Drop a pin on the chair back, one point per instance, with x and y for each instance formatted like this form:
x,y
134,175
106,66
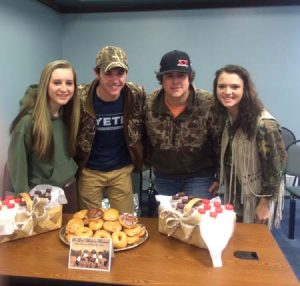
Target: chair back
x,y
288,136
293,161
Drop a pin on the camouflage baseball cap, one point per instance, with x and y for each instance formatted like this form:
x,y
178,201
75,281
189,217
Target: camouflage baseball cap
x,y
111,57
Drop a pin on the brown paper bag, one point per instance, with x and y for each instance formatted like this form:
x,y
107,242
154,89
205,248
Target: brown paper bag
x,y
172,223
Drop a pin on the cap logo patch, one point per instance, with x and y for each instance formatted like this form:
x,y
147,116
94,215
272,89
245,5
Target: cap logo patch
x,y
183,63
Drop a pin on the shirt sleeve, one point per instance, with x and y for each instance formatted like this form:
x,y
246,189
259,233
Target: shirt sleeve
x,y
272,156
17,161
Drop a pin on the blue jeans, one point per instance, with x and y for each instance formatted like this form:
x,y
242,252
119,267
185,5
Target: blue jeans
x,y
195,186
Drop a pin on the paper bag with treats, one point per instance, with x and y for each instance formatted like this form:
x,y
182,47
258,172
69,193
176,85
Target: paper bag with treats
x,y
31,213
182,217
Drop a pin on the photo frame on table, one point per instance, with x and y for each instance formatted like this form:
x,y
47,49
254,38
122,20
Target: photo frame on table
x,y
90,253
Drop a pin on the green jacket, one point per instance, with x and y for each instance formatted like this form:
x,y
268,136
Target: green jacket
x,y
26,170
133,111
187,145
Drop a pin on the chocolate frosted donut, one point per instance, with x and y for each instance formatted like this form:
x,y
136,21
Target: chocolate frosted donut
x,y
94,214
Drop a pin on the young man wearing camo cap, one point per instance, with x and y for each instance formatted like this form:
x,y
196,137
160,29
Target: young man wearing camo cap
x,y
109,143
182,131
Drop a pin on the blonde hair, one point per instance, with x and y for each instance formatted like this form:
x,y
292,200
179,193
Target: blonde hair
x,y
42,132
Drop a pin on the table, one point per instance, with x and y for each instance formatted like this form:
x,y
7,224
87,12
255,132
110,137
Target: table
x,y
159,261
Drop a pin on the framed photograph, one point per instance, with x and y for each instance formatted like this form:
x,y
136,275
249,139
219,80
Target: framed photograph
x,y
90,253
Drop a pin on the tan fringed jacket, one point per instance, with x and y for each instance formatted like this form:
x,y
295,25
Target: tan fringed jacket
x,y
256,170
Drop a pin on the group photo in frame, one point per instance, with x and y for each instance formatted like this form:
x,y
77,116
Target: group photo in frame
x,y
90,253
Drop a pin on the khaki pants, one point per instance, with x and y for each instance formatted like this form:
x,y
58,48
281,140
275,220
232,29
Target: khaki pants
x,y
116,185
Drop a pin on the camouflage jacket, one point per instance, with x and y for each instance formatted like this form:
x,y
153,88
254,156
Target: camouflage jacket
x,y
185,146
271,156
133,110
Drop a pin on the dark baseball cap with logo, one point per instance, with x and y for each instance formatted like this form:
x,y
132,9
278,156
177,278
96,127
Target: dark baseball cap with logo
x,y
175,61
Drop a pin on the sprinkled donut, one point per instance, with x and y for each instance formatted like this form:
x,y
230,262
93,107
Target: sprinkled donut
x,y
128,220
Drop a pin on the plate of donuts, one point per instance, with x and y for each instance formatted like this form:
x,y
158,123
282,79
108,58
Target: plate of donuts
x,y
124,229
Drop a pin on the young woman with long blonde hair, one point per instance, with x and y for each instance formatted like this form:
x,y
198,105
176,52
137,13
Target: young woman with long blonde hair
x,y
43,134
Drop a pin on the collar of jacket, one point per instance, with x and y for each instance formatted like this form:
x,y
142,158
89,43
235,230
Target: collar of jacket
x,y
160,107
89,106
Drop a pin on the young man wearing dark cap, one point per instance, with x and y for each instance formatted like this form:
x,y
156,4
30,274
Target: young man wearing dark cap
x,y
182,131
109,142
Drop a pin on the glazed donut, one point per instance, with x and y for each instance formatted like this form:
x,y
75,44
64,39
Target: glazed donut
x,y
102,234
133,231
119,239
84,232
143,231
111,214
112,226
133,239
96,224
74,224
81,214
68,236
94,214
128,220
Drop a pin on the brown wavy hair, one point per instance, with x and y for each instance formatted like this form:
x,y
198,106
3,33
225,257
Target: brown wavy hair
x,y
250,106
38,104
